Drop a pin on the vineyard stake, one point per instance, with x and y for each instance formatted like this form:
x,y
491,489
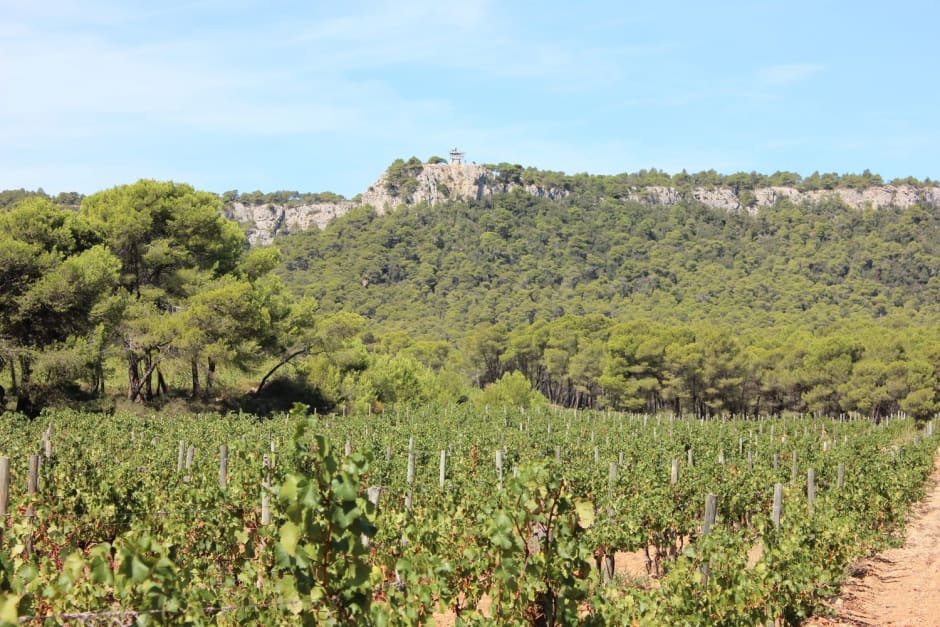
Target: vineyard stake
x,y
4,484
32,481
443,469
810,489
265,496
711,510
410,473
372,494
223,466
47,442
499,468
778,504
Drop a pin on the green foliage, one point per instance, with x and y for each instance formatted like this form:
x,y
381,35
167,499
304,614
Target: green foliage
x,y
512,389
118,533
284,198
321,556
400,177
518,283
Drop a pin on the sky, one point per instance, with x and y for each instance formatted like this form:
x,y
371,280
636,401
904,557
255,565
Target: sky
x,y
323,96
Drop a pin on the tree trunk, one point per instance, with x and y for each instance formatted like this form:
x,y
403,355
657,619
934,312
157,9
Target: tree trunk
x,y
26,371
99,378
194,365
134,393
133,376
162,387
210,376
277,366
148,376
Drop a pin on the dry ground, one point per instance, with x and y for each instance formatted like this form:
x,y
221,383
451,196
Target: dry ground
x,y
900,586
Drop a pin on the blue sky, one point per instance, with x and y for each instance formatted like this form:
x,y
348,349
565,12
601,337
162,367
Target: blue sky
x,y
315,96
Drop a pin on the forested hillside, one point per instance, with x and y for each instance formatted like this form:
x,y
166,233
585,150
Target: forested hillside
x,y
601,301
588,298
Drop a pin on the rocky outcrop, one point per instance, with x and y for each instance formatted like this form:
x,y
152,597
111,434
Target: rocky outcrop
x,y
435,184
263,222
726,199
442,182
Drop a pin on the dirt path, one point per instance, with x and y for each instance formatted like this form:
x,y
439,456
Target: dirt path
x,y
900,586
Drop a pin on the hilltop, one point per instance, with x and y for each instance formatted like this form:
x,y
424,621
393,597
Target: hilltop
x,y
412,182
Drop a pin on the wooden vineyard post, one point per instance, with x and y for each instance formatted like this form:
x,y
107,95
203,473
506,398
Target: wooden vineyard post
x,y
181,456
689,457
674,472
32,488
4,485
840,476
810,489
190,456
372,493
611,478
794,469
223,466
32,480
410,474
558,454
711,511
266,492
499,468
597,455
776,461
347,448
47,442
778,505
442,473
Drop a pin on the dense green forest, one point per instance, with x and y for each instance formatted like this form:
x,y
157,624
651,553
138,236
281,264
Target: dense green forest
x,y
604,302
588,301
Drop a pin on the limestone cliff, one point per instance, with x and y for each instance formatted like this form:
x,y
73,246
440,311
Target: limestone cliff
x,y
725,197
437,183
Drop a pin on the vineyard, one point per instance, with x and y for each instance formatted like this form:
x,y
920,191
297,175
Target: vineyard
x,y
446,515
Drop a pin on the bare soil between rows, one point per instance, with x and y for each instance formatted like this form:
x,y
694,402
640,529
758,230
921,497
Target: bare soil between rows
x,y
899,586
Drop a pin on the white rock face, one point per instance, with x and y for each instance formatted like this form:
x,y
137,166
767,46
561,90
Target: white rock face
x,y
444,182
263,222
437,182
